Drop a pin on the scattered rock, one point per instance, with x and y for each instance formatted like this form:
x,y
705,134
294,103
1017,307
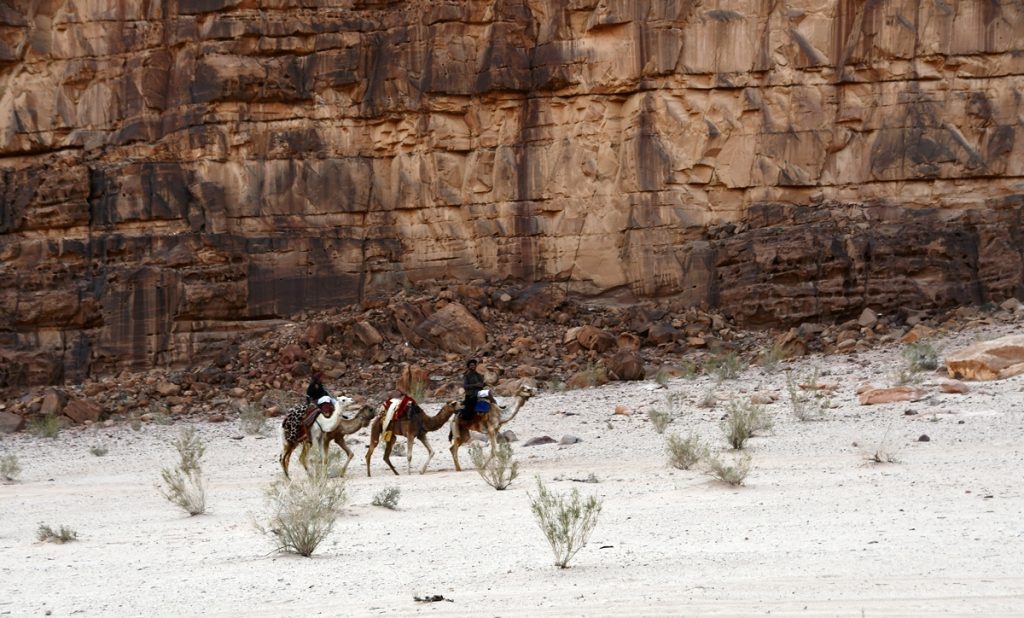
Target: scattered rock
x,y
215,418
508,436
868,318
763,398
453,329
593,338
989,360
366,334
237,392
663,333
1012,305
82,411
569,439
917,333
890,395
168,389
10,422
53,402
954,386
622,410
539,440
626,365
924,438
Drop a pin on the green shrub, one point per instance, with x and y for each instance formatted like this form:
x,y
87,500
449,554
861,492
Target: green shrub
x,y
567,520
62,535
685,453
733,473
251,418
809,405
727,366
303,511
46,426
921,356
183,484
387,498
498,471
659,419
99,450
9,468
745,420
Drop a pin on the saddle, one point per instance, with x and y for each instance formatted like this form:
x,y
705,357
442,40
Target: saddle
x,y
309,417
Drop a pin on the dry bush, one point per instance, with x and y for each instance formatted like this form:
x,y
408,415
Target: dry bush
x,y
303,511
688,369
921,356
388,498
251,418
183,484
498,470
62,535
886,451
710,398
662,377
419,390
9,468
727,366
567,520
745,421
659,419
732,473
771,357
810,405
99,450
685,453
45,426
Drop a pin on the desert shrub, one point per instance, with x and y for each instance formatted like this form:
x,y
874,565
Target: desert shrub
x,y
63,534
885,451
921,356
662,377
251,418
771,357
567,520
498,470
710,398
418,389
745,420
685,453
733,473
809,405
135,422
303,511
9,468
45,426
388,498
183,484
659,419
99,450
726,366
688,369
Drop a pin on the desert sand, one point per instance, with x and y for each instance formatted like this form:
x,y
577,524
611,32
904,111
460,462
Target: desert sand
x,y
816,531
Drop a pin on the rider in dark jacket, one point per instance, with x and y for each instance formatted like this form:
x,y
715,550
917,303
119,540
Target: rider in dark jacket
x,y
472,383
316,389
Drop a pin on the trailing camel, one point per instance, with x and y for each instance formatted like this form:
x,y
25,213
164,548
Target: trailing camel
x,y
322,433
488,423
414,424
295,431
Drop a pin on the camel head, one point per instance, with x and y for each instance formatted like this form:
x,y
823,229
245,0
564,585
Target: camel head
x,y
366,414
525,391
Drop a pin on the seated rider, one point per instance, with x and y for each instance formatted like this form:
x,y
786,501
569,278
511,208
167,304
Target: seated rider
x,y
472,383
316,389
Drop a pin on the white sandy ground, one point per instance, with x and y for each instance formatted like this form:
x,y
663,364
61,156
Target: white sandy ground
x,y
816,531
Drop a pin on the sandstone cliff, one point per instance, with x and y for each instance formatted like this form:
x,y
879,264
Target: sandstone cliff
x,y
175,171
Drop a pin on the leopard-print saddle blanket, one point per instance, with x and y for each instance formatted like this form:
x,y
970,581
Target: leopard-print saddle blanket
x,y
297,421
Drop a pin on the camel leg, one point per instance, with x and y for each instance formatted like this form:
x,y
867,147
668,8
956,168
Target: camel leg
x,y
387,453
374,437
456,443
340,441
410,440
430,453
492,434
304,456
286,455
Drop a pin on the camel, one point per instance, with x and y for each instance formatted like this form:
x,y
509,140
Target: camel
x,y
324,431
293,434
488,423
415,424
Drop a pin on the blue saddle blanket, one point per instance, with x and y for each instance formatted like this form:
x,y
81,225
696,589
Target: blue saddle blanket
x,y
483,407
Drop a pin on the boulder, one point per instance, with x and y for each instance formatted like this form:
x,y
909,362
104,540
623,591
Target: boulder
x,y
627,341
10,422
569,439
954,387
593,338
539,440
989,360
868,318
917,333
167,389
53,402
538,300
452,329
626,365
874,396
81,411
621,410
663,333
366,334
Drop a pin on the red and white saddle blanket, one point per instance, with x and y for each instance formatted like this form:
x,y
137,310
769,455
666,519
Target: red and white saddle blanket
x,y
395,409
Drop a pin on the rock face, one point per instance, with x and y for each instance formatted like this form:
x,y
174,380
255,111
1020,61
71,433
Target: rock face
x,y
174,172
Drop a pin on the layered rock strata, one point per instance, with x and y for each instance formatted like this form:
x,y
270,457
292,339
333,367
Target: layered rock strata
x,y
174,172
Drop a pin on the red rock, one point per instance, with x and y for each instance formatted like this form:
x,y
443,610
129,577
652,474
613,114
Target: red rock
x,y
168,389
626,365
452,329
954,386
53,402
10,422
593,338
621,410
215,418
989,360
890,395
81,411
663,333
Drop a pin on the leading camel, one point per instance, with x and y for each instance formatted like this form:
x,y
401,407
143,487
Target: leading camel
x,y
488,423
415,424
323,432
293,434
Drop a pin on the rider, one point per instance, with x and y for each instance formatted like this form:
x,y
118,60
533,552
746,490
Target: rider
x,y
472,383
315,391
